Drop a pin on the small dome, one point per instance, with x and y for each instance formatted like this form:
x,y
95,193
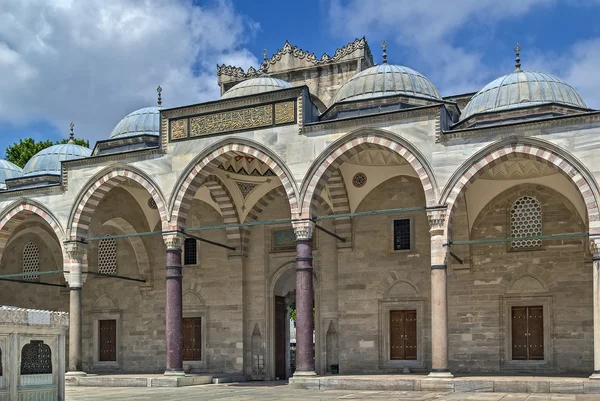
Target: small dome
x,y
387,80
9,170
47,161
522,89
144,121
254,86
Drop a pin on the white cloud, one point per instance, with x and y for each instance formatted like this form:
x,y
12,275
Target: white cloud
x,y
94,61
427,31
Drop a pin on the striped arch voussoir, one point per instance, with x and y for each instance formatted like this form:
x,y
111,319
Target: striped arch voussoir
x,y
535,153
255,212
98,190
344,152
230,216
205,167
20,212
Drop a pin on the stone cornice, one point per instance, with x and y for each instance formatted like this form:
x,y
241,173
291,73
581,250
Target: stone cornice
x,y
522,126
373,118
24,192
113,156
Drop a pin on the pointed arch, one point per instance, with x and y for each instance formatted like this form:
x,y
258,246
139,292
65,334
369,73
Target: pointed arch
x,y
18,212
205,164
530,148
340,151
97,189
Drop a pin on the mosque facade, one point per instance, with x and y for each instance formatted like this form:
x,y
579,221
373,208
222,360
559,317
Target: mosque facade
x,y
406,230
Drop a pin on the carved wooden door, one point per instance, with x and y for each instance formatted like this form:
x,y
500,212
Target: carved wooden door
x,y
527,332
108,340
403,334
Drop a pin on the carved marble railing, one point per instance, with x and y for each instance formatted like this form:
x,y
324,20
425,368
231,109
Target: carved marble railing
x,y
36,380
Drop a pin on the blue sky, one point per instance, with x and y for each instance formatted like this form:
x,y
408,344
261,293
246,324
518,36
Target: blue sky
x,y
95,61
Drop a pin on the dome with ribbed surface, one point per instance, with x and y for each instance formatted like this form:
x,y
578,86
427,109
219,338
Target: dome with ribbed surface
x,y
387,80
522,89
47,161
144,121
254,86
9,170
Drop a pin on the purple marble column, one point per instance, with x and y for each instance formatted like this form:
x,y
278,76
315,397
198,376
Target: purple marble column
x,y
305,363
174,307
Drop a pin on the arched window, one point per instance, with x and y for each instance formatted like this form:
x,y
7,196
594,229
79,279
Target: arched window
x,y
107,256
36,358
31,262
526,221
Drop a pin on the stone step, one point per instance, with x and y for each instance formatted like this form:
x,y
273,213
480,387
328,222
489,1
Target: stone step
x,y
138,381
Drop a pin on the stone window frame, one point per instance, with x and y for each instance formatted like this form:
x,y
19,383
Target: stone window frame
x,y
387,305
97,364
390,234
201,312
507,303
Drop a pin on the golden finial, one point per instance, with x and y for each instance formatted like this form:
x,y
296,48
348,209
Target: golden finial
x,y
517,58
71,134
384,47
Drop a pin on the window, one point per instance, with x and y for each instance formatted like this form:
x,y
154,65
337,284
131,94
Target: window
x,y
36,358
526,221
107,256
190,250
402,234
31,262
107,335
403,334
527,332
192,339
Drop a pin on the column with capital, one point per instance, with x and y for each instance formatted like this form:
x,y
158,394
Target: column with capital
x,y
305,363
439,296
75,266
595,250
174,306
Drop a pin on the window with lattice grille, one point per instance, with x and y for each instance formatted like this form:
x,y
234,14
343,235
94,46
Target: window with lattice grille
x,y
190,251
526,221
31,262
107,256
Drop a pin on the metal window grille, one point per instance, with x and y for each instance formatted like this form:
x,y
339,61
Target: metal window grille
x,y
36,358
107,256
190,250
526,221
31,262
401,234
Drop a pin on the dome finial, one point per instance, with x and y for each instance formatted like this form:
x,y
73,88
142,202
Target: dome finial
x,y
159,91
517,58
265,54
384,47
71,134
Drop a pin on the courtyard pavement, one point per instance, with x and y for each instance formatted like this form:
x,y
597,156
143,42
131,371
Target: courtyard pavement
x,y
279,391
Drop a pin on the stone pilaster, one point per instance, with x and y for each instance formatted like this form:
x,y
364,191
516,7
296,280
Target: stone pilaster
x,y
305,362
595,250
174,304
75,263
439,296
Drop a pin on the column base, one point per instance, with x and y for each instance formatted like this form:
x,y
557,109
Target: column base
x,y
307,373
76,373
595,375
174,373
440,374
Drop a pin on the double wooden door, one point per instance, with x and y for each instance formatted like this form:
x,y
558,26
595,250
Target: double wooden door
x,y
192,339
527,332
403,334
108,340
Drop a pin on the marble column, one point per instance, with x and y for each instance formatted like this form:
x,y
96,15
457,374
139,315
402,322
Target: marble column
x,y
595,249
174,305
75,263
439,297
305,362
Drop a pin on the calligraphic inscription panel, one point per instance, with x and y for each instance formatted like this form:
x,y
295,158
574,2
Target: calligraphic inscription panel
x,y
235,120
285,113
178,129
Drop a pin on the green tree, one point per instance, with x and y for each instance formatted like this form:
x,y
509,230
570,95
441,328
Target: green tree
x,y
20,152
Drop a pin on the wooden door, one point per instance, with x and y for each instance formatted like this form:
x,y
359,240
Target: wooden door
x,y
280,343
403,334
108,340
527,332
192,339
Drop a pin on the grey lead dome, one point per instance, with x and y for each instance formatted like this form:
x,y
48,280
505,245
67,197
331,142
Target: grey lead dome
x,y
254,86
387,80
522,89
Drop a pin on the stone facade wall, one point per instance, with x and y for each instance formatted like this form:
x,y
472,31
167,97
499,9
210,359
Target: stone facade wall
x,y
478,298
